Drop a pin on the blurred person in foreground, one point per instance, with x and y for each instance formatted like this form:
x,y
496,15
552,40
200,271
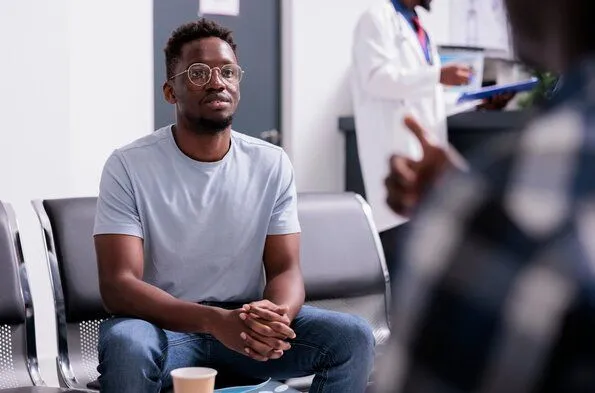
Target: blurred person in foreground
x,y
498,294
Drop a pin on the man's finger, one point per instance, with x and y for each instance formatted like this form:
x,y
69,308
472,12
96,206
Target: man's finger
x,y
255,355
402,203
268,315
418,131
260,348
268,305
283,329
276,344
269,329
402,171
274,333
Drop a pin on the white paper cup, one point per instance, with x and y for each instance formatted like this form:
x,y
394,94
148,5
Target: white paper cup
x,y
194,380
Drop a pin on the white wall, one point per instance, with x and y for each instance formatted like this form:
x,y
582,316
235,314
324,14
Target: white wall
x,y
317,37
77,83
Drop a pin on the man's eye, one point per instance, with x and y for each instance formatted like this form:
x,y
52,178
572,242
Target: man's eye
x,y
227,73
198,74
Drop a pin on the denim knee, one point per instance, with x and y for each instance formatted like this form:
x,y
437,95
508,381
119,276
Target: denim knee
x,y
130,343
359,336
349,337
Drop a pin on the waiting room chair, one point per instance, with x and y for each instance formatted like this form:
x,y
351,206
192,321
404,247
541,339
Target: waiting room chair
x,y
67,227
18,355
343,262
19,369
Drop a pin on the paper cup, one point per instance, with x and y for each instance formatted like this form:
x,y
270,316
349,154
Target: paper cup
x,y
194,380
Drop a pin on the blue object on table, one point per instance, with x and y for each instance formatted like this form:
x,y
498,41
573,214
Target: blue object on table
x,y
266,386
490,91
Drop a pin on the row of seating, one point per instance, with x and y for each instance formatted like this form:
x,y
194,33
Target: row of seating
x,y
342,263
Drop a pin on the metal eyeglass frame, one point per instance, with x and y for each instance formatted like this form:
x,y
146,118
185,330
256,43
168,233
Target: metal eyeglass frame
x,y
187,72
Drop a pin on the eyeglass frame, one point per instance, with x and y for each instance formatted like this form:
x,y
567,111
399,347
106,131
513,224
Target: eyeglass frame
x,y
187,72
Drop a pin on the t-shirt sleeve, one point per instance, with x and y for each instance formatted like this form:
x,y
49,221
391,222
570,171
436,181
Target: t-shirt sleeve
x,y
284,219
117,212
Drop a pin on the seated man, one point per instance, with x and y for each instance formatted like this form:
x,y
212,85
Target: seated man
x,y
186,219
498,294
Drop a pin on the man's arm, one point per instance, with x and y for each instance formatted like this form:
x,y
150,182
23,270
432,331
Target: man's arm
x,y
285,284
120,267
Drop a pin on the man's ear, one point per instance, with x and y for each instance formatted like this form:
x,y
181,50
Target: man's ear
x,y
168,93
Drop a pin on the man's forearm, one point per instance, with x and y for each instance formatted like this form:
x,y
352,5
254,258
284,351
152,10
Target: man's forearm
x,y
287,289
134,298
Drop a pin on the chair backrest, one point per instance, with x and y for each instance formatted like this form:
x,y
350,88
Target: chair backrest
x,y
67,226
18,355
342,259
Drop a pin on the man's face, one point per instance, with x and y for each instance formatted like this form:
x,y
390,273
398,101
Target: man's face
x,y
210,107
427,4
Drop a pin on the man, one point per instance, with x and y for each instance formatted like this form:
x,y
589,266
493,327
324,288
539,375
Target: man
x,y
396,70
186,218
499,290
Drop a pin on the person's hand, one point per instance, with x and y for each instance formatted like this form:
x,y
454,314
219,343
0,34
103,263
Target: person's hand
x,y
273,315
268,319
229,329
408,179
455,75
497,102
267,323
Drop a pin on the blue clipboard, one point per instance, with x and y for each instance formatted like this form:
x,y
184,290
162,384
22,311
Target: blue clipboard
x,y
490,91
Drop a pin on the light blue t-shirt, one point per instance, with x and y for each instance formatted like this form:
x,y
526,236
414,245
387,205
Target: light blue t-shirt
x,y
204,225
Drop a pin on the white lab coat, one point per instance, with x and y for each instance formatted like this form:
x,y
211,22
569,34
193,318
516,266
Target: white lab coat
x,y
391,78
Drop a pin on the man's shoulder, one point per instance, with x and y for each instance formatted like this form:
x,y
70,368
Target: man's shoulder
x,y
145,143
256,147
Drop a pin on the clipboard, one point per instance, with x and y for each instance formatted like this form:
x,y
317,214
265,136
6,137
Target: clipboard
x,y
490,91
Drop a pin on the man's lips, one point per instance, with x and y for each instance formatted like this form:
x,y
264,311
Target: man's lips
x,y
217,104
217,98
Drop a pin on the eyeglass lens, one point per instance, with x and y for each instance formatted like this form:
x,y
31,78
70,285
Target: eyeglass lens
x,y
200,74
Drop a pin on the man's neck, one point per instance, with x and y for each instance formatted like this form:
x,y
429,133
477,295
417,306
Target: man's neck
x,y
409,4
202,147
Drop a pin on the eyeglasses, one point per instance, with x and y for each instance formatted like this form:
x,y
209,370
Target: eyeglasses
x,y
200,74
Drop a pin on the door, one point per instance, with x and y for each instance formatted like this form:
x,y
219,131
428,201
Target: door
x,y
257,32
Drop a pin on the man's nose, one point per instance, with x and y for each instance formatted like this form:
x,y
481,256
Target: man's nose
x,y
216,81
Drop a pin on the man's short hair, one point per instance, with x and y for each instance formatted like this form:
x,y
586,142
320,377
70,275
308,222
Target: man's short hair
x,y
189,32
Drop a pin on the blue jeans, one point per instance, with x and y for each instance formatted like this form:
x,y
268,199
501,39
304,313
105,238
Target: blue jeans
x,y
137,356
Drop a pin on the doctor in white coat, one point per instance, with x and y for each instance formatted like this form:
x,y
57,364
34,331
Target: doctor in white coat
x,y
396,72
